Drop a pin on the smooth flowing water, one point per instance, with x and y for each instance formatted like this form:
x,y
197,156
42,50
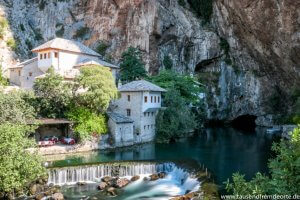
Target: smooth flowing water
x,y
222,150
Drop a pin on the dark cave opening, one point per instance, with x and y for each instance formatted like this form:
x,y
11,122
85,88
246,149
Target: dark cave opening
x,y
245,122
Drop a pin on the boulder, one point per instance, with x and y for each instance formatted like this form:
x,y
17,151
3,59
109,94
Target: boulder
x,y
135,178
57,196
81,183
122,182
154,177
162,174
111,191
39,196
102,186
33,189
107,179
145,179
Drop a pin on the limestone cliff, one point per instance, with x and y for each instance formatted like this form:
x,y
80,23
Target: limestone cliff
x,y
262,38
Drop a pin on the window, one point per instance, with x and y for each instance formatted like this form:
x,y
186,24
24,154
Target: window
x,y
128,112
144,114
148,114
19,72
128,97
30,73
45,55
144,127
41,56
146,99
155,99
49,55
148,126
158,100
56,54
151,99
152,113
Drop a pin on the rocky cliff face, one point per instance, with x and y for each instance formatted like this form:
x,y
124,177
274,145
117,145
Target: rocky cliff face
x,y
263,38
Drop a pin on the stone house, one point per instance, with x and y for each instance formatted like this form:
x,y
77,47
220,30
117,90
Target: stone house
x,y
65,56
121,129
140,101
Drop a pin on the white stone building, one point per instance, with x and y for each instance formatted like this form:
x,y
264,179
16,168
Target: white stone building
x,y
65,56
140,101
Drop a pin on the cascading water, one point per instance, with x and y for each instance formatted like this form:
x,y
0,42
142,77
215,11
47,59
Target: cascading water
x,y
93,173
177,182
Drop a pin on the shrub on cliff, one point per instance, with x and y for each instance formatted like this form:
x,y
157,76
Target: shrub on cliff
x,y
17,166
203,9
284,172
132,67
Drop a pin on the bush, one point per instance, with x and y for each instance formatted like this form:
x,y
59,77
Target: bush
x,y
3,80
102,47
202,8
87,123
61,30
284,172
168,64
18,167
181,3
3,26
12,43
16,108
80,33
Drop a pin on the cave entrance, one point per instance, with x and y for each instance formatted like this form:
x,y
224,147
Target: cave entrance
x,y
245,122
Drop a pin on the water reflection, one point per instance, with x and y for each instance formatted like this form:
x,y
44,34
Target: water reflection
x,y
223,150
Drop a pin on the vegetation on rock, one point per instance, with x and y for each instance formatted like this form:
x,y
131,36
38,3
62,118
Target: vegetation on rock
x,y
80,33
168,63
202,8
284,172
132,67
102,47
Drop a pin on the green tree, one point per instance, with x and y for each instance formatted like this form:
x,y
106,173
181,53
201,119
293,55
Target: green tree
x,y
284,172
15,107
53,95
186,85
176,120
88,123
132,66
97,88
17,166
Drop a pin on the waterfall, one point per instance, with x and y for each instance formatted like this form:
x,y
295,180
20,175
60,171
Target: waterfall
x,y
93,173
